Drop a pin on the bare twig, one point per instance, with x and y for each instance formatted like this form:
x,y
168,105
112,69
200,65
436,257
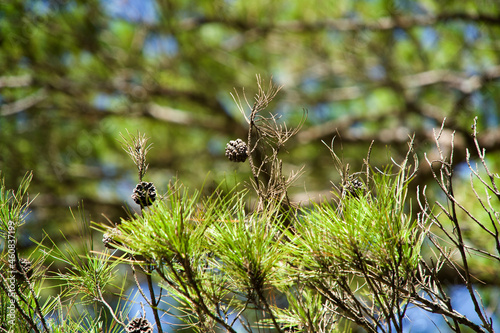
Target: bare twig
x,y
137,148
267,136
444,180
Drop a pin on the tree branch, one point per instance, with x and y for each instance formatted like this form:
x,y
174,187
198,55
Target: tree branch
x,y
16,81
338,24
24,103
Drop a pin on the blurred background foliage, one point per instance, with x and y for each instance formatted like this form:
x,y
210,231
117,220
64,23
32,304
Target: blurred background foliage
x,y
76,74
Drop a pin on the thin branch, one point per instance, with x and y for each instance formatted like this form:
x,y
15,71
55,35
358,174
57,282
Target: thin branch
x,y
355,316
16,81
154,302
111,311
446,185
339,24
24,103
482,152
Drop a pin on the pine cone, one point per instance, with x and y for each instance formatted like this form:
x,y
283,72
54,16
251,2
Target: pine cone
x,y
139,325
144,194
109,238
237,151
353,187
23,266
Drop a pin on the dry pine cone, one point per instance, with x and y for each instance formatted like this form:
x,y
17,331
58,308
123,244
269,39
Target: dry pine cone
x,y
144,194
353,188
236,150
139,325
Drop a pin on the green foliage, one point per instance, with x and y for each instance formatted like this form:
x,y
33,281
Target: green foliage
x,y
252,248
87,273
169,229
207,250
216,259
75,74
26,305
367,69
14,205
356,259
373,226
